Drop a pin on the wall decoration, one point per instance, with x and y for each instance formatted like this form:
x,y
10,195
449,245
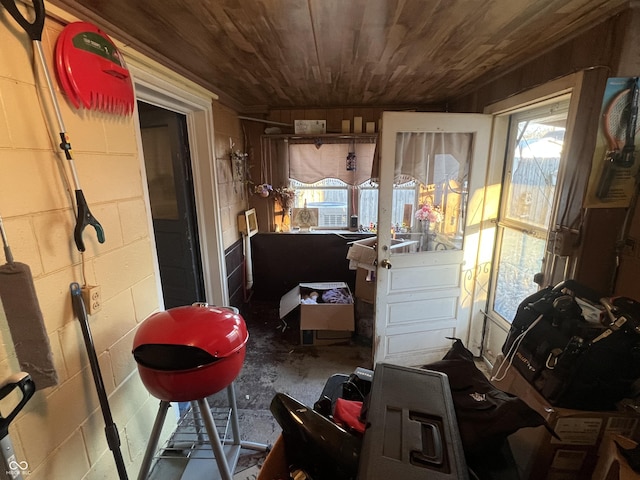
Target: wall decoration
x,y
305,218
614,169
238,167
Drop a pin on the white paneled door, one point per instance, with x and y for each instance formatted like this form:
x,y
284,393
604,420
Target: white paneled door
x,y
432,176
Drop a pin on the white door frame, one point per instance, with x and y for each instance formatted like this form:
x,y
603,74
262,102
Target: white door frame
x,y
160,87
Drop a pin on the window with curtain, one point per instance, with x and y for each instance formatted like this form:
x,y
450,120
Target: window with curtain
x,y
349,162
333,175
428,208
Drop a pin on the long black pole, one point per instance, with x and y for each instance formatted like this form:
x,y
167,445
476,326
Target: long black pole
x,y
110,429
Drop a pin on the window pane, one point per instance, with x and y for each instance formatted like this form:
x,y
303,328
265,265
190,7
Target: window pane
x,y
520,258
368,206
329,196
533,161
162,190
534,171
430,194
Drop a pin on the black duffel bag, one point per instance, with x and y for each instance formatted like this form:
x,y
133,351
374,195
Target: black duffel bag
x,y
543,326
571,362
595,374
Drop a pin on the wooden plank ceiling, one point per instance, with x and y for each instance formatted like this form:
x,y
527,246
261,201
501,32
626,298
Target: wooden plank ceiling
x,y
263,54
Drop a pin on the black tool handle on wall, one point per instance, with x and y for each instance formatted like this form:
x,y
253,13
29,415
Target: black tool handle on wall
x,y
111,431
27,387
84,218
628,151
33,29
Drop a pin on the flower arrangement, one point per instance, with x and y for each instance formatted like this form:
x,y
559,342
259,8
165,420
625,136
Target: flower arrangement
x,y
285,196
238,160
264,189
430,213
238,156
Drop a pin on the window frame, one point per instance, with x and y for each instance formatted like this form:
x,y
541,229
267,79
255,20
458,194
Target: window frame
x,y
354,203
297,186
504,223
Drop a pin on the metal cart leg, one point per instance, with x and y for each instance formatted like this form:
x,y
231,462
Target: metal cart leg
x,y
216,445
153,440
231,395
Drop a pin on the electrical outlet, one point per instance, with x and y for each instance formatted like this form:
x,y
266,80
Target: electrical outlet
x,y
92,298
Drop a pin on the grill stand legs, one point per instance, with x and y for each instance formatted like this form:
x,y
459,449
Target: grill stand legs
x,y
226,461
153,440
226,471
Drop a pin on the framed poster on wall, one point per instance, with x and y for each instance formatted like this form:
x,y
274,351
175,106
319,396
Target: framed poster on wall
x,y
615,163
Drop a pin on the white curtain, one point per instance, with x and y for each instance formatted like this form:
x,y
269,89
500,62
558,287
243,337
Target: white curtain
x,y
425,156
309,163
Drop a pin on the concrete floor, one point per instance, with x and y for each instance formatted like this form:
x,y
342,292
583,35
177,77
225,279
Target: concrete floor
x,y
274,362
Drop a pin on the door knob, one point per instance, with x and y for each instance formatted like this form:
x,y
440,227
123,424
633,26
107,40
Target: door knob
x,y
385,264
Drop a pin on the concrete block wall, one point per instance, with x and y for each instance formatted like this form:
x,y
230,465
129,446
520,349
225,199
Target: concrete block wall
x,y
233,191
60,432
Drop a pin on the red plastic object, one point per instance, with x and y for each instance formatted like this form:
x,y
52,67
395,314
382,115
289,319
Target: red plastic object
x,y
347,414
188,353
91,71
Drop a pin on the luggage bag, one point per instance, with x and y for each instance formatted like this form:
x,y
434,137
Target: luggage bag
x,y
574,363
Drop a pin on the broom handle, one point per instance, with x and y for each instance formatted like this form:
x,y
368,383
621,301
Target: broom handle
x,y
34,30
110,430
64,145
7,250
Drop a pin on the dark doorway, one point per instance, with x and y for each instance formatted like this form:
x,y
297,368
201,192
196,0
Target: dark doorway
x,y
169,178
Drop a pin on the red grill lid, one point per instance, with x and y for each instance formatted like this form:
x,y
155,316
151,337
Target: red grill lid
x,y
189,337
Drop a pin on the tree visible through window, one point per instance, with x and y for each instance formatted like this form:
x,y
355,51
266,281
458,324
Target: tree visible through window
x,y
533,161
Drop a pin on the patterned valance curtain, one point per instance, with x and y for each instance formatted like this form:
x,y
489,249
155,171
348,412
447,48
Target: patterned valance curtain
x,y
417,155
310,163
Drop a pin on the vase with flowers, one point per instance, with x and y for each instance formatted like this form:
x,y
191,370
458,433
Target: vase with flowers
x,y
285,196
238,166
428,216
264,190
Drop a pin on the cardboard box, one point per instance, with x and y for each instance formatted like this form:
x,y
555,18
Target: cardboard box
x,y
365,321
363,254
583,434
310,127
320,323
612,465
366,285
275,465
325,337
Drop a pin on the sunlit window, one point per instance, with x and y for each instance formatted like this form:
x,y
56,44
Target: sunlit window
x,y
533,160
330,196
